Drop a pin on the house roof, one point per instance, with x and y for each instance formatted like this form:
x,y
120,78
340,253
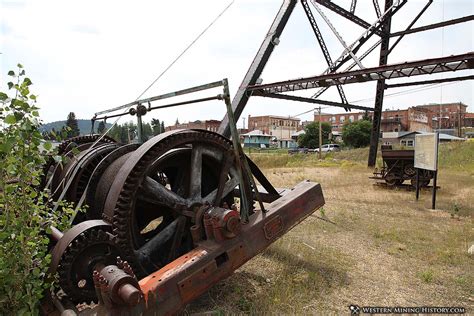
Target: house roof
x,y
278,117
256,132
298,133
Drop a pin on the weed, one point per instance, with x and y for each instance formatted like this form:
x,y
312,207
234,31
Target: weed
x,y
427,276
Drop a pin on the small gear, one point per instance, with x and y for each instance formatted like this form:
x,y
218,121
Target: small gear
x,y
86,251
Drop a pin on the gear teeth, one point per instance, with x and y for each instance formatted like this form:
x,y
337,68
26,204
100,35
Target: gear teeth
x,y
122,212
76,250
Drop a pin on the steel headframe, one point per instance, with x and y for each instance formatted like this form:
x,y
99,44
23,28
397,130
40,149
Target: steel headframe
x,y
381,28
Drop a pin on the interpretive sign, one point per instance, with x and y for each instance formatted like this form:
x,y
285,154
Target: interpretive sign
x,y
426,151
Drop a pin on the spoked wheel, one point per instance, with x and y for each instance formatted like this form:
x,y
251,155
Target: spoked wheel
x,y
409,170
392,179
155,197
425,178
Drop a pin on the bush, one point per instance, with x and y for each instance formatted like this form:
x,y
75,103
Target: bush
x,y
310,138
25,217
357,134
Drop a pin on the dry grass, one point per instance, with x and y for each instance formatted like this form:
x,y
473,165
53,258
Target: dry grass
x,y
385,249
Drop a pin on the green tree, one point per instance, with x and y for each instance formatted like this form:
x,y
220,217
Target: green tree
x,y
177,122
101,127
310,138
147,131
25,219
71,122
357,134
155,124
162,126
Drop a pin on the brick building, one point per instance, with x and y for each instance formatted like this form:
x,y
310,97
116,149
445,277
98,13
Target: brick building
x,y
469,120
446,115
280,127
424,118
209,125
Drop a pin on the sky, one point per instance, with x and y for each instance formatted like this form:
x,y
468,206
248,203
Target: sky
x,y
87,56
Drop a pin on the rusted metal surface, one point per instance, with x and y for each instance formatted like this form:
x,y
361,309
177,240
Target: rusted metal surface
x,y
179,282
170,216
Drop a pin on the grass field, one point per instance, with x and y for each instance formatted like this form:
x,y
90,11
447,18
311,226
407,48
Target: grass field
x,y
384,248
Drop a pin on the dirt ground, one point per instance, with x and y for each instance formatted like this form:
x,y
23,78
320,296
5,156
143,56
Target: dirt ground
x,y
384,249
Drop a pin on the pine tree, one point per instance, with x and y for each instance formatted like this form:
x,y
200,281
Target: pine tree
x,y
177,122
101,127
162,126
155,123
72,124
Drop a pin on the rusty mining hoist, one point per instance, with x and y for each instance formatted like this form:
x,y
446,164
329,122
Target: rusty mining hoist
x,y
165,220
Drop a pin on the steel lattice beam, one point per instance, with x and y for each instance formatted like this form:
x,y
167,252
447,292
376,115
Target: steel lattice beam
x,y
309,100
353,6
410,25
417,83
377,8
255,70
322,44
379,93
407,69
346,14
434,26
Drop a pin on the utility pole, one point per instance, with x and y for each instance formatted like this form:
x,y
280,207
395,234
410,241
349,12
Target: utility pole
x,y
243,126
320,134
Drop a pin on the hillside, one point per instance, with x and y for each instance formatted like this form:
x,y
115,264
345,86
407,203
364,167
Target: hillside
x,y
84,126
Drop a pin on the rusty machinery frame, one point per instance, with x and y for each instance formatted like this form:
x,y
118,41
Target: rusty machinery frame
x,y
333,76
223,238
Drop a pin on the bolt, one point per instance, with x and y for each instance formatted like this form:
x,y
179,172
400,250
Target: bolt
x,y
128,269
119,263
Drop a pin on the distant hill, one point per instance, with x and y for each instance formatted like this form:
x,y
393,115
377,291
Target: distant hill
x,y
84,126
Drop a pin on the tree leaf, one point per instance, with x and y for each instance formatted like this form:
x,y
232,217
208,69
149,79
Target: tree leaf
x,y
27,81
47,146
10,119
3,96
11,73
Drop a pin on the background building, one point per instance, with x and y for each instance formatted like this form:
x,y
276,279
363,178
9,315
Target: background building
x,y
256,139
448,118
209,125
279,127
446,115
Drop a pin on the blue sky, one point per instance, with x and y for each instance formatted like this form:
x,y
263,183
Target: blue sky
x,y
87,56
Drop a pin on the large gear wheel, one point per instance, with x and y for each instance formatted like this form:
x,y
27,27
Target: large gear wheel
x,y
52,168
159,188
84,248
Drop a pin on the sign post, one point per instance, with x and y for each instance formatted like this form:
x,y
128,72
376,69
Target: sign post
x,y
426,158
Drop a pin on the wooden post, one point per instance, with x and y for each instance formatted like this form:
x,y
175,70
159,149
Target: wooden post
x,y
417,186
320,134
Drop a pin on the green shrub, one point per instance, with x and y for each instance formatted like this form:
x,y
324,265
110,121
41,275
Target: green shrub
x,y
24,215
357,134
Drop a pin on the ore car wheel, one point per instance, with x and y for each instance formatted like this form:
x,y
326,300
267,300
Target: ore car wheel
x,y
409,170
392,179
153,201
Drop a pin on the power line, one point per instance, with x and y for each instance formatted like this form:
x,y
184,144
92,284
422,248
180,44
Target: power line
x,y
186,49
432,86
67,185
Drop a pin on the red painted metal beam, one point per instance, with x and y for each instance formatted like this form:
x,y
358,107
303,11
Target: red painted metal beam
x,y
407,69
167,290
